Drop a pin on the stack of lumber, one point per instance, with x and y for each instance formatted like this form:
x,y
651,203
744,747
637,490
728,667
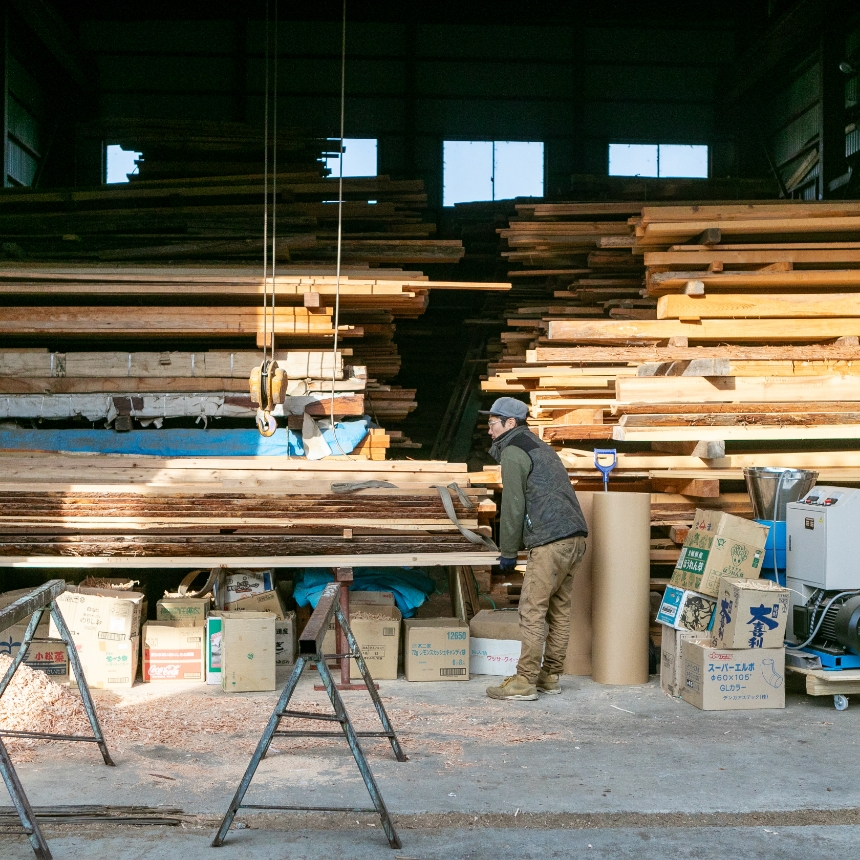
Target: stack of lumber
x,y
122,511
747,354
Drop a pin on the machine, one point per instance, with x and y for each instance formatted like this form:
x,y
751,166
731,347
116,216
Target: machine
x,y
823,573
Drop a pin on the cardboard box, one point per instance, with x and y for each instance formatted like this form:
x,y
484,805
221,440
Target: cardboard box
x,y
244,583
726,679
173,652
686,610
360,602
494,656
50,656
213,648
109,664
435,649
719,545
496,624
190,611
378,639
751,613
671,662
248,652
286,641
6,599
100,614
265,601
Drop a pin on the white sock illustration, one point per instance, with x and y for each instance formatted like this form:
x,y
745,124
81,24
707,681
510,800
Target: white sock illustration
x,y
770,674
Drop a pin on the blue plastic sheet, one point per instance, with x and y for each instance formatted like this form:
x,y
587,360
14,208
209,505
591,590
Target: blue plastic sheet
x,y
349,434
410,587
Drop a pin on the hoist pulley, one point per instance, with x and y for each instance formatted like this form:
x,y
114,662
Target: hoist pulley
x,y
267,388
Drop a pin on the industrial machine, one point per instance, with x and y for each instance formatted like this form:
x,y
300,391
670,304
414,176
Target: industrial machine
x,y
823,573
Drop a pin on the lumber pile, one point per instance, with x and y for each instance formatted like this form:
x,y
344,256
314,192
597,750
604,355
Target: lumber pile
x,y
91,510
166,271
734,344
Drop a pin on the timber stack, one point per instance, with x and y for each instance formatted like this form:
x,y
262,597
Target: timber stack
x,y
83,510
145,301
746,353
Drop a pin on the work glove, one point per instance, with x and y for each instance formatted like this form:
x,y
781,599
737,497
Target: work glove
x,y
507,563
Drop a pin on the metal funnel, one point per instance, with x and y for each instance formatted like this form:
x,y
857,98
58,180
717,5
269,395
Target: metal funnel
x,y
763,485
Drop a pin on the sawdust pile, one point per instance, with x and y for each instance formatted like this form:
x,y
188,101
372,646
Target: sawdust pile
x,y
361,615
34,703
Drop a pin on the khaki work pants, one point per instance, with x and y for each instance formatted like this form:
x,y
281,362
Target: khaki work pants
x,y
546,597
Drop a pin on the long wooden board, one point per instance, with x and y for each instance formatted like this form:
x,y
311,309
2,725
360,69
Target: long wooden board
x,y
723,306
653,331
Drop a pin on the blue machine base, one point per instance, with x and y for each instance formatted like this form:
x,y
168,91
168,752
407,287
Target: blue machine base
x,y
834,662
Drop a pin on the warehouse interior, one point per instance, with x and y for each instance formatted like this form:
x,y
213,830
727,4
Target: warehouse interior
x,y
267,271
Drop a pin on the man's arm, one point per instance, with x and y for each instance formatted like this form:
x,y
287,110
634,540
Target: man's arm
x,y
516,465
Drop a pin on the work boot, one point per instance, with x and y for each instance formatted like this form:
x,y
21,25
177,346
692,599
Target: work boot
x,y
547,682
515,688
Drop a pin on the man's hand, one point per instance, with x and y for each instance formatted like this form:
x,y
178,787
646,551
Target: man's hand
x,y
507,563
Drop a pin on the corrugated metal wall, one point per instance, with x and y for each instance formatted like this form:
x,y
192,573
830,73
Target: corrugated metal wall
x,y
413,86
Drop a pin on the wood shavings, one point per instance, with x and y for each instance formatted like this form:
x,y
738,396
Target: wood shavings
x,y
363,615
34,703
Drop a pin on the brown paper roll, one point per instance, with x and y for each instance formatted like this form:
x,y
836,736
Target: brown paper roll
x,y
621,541
578,659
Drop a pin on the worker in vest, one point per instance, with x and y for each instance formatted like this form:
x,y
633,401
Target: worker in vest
x,y
539,510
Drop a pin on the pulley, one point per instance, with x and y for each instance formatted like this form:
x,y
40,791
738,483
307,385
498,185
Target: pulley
x,y
266,385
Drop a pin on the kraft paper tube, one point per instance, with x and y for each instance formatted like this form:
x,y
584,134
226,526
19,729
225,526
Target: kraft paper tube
x,y
621,539
578,659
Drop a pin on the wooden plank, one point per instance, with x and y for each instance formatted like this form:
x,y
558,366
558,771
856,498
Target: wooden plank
x,y
801,306
661,354
736,389
702,488
704,256
773,432
653,331
659,283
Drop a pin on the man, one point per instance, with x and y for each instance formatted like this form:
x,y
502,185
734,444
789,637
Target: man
x,y
541,511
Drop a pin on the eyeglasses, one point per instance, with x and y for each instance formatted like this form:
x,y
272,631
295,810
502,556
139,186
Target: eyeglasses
x,y
493,421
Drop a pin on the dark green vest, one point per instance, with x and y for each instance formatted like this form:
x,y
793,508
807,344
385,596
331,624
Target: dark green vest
x,y
552,509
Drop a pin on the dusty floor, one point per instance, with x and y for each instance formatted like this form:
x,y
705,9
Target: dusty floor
x,y
622,769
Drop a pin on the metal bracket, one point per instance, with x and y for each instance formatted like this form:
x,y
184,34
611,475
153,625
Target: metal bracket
x,y
310,650
34,604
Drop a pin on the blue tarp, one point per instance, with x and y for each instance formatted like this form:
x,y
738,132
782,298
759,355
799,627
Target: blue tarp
x,y
175,442
410,587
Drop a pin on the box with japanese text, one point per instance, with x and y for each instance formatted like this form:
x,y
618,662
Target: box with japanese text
x,y
244,583
265,601
173,651
247,652
494,656
213,648
719,545
686,610
110,664
100,614
377,631
436,649
50,656
190,611
751,613
671,663
729,679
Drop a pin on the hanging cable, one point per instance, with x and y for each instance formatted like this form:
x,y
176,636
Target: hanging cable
x,y
274,172
336,320
266,186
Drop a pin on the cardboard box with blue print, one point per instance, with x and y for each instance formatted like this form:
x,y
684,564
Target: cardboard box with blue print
x,y
719,545
686,610
751,613
732,679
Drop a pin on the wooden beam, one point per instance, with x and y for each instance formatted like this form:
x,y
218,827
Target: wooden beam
x,y
727,306
654,331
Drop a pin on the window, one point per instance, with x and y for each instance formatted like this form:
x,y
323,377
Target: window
x,y
120,163
359,157
491,170
662,160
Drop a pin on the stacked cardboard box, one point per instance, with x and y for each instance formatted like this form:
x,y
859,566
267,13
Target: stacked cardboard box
x,y
496,642
105,626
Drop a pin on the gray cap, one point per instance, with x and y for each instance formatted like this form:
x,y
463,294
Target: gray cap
x,y
507,407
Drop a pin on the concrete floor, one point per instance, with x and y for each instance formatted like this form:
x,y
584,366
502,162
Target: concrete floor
x,y
624,770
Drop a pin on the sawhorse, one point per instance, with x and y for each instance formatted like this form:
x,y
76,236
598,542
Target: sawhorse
x,y
310,650
34,604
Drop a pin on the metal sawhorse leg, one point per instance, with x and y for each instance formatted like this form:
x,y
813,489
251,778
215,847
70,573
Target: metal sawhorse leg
x,y
35,604
310,647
